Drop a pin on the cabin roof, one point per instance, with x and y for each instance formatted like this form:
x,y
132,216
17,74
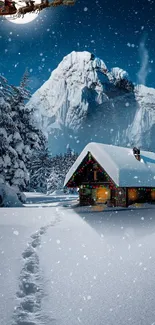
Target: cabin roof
x,y
120,164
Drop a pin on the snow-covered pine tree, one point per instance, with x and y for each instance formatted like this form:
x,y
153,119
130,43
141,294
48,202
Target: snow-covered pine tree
x,y
54,180
32,136
60,167
40,167
23,117
19,136
12,150
69,159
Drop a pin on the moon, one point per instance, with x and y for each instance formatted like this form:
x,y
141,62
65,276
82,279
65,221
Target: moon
x,y
27,18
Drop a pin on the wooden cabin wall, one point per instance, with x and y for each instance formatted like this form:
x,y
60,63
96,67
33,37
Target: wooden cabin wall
x,y
91,175
141,195
86,197
122,197
119,197
127,196
92,195
89,172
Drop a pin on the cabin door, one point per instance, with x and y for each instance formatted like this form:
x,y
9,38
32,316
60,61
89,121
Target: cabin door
x,y
118,197
121,197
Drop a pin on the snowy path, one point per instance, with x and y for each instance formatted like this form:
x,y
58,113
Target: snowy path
x,y
63,266
30,290
30,293
21,231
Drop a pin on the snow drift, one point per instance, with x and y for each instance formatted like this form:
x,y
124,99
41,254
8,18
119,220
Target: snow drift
x,y
9,197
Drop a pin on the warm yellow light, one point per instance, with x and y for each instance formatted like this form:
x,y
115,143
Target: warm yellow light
x,y
102,194
99,208
153,194
132,194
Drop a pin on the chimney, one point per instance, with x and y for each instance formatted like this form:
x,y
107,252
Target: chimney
x,y
136,153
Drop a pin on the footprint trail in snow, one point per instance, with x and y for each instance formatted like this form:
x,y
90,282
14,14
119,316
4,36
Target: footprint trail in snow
x,y
30,293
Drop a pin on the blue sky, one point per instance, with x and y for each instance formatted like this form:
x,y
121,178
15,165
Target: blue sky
x,y
120,32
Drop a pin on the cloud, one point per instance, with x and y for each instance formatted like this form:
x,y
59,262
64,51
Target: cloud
x,y
144,61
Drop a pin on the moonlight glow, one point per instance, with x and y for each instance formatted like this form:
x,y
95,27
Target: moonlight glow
x,y
23,20
27,18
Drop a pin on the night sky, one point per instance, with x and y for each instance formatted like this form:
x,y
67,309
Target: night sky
x,y
121,33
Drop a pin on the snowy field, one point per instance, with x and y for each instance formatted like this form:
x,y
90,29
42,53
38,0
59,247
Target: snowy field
x,y
69,265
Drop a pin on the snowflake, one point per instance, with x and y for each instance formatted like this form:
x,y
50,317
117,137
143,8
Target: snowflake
x,y
16,232
88,297
127,104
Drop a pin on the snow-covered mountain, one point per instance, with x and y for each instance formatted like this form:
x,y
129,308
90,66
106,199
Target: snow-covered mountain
x,y
84,101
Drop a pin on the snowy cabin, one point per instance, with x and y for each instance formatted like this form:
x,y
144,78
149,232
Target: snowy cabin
x,y
114,175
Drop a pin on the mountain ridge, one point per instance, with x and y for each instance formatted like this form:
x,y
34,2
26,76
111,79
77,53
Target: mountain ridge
x,y
83,95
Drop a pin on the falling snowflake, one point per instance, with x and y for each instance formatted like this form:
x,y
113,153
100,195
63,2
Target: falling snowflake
x,y
88,297
127,104
16,232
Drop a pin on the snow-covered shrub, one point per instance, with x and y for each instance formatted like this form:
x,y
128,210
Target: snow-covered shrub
x,y
21,195
8,197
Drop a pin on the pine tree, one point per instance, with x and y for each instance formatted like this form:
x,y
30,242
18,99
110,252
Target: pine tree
x,y
55,180
23,117
33,138
60,167
12,151
19,136
40,167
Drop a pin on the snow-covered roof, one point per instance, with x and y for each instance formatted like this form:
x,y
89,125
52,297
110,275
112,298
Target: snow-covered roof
x,y
120,164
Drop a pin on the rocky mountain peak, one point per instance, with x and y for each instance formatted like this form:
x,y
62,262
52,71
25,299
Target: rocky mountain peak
x,y
84,101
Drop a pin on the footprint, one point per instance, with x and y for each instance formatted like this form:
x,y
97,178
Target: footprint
x,y
28,252
42,230
30,291
22,322
29,288
32,266
36,242
36,235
